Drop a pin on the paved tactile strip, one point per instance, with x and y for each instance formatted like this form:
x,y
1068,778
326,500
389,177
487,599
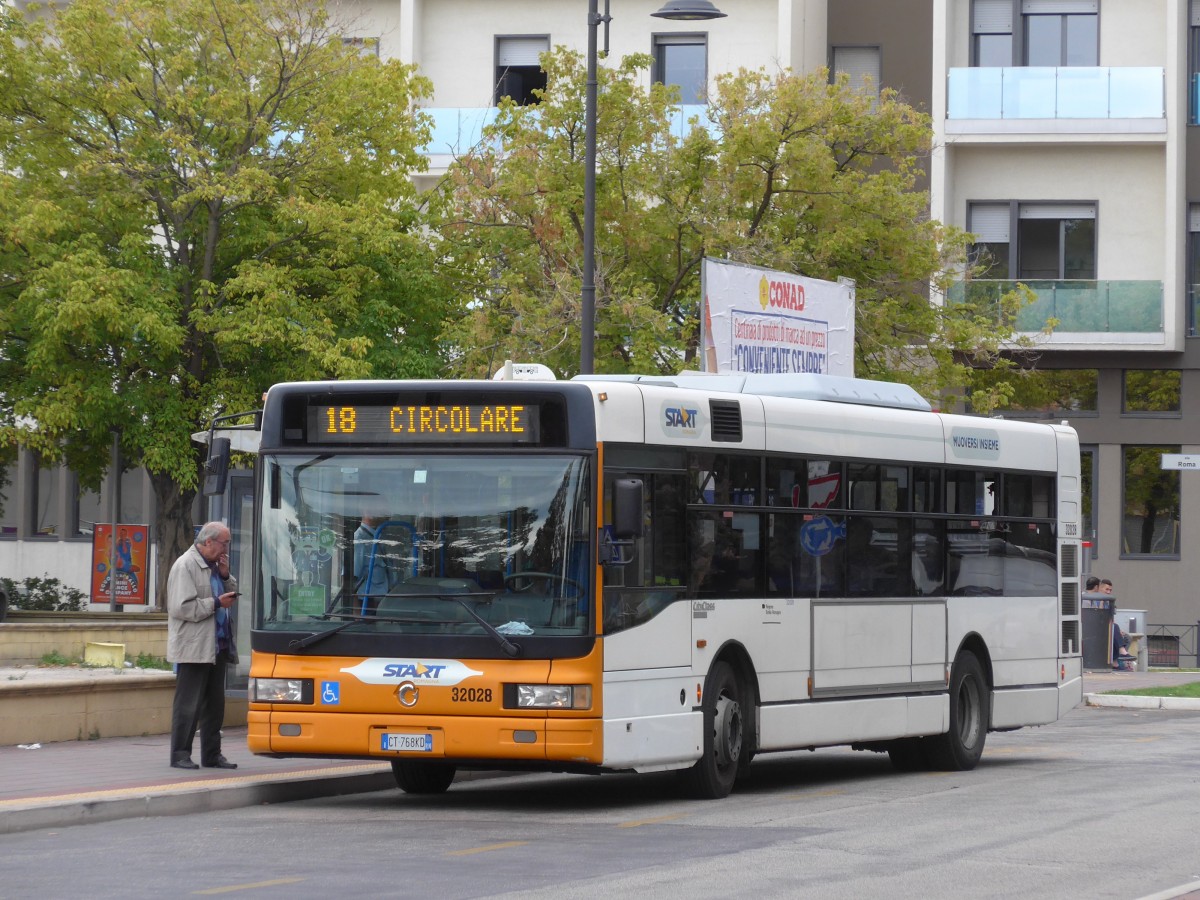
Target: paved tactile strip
x,y
180,787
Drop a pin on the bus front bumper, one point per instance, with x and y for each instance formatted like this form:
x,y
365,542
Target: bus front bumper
x,y
296,732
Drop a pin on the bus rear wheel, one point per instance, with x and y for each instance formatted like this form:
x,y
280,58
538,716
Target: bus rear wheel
x,y
713,775
420,776
959,749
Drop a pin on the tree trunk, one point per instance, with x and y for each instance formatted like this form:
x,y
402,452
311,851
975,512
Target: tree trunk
x,y
174,530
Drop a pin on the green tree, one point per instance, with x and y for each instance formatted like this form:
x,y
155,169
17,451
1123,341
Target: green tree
x,y
198,198
791,173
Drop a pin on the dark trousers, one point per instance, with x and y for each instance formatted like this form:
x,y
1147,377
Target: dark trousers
x,y
199,700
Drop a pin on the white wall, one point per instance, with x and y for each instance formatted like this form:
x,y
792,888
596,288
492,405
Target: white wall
x,y
1127,183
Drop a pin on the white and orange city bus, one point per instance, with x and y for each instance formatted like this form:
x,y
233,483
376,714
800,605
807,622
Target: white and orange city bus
x,y
642,574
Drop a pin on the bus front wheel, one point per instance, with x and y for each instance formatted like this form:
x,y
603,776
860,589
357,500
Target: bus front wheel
x,y
959,749
713,775
420,776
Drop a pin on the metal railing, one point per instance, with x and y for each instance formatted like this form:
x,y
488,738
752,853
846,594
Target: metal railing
x,y
1173,646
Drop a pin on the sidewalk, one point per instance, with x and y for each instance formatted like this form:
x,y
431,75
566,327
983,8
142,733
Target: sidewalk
x,y
79,782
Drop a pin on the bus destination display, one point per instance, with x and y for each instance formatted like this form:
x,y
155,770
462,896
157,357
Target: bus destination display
x,y
489,423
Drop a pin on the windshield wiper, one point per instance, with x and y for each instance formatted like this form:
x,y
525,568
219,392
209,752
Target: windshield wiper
x,y
301,643
509,647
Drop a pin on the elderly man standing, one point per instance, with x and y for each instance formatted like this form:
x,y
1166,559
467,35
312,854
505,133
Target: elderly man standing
x,y
200,591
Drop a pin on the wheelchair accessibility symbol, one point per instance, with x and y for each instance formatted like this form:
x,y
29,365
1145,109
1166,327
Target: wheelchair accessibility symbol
x,y
330,693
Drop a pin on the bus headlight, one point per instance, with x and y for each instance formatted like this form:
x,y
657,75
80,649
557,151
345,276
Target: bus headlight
x,y
554,696
281,690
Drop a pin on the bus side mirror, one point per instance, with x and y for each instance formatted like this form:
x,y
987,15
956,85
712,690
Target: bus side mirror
x,y
627,506
216,467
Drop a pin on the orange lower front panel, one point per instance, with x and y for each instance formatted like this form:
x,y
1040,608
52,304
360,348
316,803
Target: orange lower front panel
x,y
305,733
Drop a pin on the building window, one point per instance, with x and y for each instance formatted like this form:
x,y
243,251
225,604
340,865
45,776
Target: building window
x,y
1150,524
1193,263
991,33
89,509
133,498
1061,32
1054,241
8,500
1087,494
1152,391
46,500
860,64
366,46
1194,62
1054,393
519,69
1053,33
682,60
991,224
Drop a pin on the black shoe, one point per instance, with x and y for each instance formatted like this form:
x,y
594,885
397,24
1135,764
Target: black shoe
x,y
183,762
220,763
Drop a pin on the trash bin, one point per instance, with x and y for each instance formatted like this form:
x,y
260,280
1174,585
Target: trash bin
x,y
1097,631
1133,623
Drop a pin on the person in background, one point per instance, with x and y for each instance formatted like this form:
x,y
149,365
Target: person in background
x,y
1120,640
200,591
373,575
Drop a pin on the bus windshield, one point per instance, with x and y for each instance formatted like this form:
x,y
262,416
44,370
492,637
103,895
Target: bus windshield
x,y
444,544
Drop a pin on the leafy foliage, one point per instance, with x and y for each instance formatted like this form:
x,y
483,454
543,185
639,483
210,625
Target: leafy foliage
x,y
199,198
46,594
789,172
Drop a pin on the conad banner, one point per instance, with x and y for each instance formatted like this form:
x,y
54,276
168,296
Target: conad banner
x,y
759,320
122,559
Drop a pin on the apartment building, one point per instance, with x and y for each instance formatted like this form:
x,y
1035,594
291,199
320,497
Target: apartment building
x,y
1064,140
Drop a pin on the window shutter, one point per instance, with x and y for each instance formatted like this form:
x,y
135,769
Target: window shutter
x,y
858,63
993,17
1049,7
989,222
522,51
1194,217
1057,211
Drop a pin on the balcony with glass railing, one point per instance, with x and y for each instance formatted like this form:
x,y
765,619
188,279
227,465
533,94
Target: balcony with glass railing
x,y
1118,307
1044,92
457,129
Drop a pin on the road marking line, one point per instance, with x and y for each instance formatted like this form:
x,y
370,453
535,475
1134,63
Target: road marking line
x,y
487,848
250,886
639,822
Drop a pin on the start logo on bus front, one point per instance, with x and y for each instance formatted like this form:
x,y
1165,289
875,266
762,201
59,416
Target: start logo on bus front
x,y
442,672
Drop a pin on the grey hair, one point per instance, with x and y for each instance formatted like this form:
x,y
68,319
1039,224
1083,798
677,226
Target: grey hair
x,y
208,531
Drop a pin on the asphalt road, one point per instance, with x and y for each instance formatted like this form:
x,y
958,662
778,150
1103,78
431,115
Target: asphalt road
x,y
1105,803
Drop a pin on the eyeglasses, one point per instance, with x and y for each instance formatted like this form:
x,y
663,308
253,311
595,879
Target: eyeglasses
x,y
223,543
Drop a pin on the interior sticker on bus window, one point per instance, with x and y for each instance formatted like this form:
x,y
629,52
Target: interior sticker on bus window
x,y
441,672
818,536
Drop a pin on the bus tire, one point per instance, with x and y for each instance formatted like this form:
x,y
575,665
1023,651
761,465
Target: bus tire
x,y
907,755
421,776
959,749
713,775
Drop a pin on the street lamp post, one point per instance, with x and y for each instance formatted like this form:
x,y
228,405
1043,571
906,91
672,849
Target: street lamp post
x,y
675,10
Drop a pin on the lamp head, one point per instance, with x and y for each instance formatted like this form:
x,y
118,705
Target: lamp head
x,y
688,11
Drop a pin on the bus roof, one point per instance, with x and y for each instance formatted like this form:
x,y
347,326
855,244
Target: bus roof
x,y
797,385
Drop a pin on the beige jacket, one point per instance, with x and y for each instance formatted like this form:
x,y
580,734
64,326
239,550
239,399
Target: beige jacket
x,y
191,606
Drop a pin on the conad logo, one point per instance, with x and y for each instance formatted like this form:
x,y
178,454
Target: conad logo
x,y
780,294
